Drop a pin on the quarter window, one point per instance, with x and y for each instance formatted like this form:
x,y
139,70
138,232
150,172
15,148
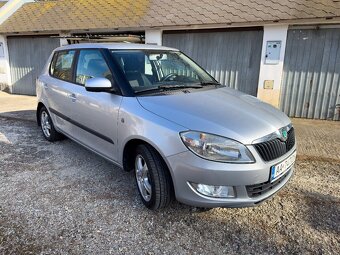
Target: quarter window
x,y
91,64
62,66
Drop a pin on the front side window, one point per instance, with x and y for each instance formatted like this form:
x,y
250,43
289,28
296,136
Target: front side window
x,y
148,69
62,65
91,64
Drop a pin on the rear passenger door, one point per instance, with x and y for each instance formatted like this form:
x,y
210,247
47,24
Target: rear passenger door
x,y
94,114
58,89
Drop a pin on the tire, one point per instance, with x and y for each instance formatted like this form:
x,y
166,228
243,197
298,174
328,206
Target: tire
x,y
47,126
153,179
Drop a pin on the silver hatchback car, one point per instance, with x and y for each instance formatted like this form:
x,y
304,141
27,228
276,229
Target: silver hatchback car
x,y
152,110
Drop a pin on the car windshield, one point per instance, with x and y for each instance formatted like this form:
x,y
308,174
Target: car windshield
x,y
148,70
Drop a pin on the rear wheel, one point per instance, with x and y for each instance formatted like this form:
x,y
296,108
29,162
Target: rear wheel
x,y
152,178
47,126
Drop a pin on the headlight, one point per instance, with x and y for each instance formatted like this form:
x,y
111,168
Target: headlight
x,y
216,148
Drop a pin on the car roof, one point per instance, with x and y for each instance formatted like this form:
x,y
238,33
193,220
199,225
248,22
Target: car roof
x,y
115,46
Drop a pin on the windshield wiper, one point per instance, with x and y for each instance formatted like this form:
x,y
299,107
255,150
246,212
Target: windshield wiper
x,y
188,86
169,87
146,90
204,83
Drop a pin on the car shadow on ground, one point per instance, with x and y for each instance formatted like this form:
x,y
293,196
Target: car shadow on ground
x,y
26,115
325,206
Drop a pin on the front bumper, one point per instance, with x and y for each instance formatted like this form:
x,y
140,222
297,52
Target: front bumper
x,y
186,167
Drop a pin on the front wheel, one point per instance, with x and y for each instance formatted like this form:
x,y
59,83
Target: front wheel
x,y
152,178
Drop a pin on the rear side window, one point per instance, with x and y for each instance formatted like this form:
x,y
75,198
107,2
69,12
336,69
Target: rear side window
x,y
91,64
61,67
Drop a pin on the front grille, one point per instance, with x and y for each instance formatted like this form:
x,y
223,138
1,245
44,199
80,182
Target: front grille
x,y
261,188
275,148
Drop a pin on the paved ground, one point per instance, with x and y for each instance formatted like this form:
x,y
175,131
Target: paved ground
x,y
17,106
62,199
318,138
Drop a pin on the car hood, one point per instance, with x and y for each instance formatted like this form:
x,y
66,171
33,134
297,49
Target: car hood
x,y
224,111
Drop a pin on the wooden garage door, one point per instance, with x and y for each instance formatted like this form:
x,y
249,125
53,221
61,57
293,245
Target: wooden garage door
x,y
311,82
27,57
232,57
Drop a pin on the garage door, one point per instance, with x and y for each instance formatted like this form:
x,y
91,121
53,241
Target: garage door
x,y
27,57
311,82
232,57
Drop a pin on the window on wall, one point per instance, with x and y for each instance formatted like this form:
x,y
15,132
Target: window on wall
x,y
91,64
62,65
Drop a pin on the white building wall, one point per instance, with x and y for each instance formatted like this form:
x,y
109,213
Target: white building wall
x,y
63,41
153,37
5,78
269,72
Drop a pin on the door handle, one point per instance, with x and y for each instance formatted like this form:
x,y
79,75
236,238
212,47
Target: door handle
x,y
72,97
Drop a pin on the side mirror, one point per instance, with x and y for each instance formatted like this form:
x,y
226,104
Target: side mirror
x,y
99,84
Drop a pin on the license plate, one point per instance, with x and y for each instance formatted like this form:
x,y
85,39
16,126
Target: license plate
x,y
280,169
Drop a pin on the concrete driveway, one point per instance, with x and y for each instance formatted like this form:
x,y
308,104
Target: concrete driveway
x,y
17,106
59,198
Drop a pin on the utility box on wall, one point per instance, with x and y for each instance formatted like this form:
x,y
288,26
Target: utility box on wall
x,y
273,50
268,84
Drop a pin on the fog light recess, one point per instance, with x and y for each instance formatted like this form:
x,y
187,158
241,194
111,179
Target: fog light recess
x,y
214,191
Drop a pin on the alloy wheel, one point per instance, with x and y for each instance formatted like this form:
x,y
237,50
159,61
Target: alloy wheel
x,y
143,178
45,123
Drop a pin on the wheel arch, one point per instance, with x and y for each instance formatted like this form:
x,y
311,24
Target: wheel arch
x,y
132,143
128,153
40,105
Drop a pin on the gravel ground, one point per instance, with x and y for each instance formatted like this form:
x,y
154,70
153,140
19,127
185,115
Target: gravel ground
x,y
62,199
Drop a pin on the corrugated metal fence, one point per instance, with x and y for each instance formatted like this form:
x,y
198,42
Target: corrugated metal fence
x,y
232,57
27,57
311,82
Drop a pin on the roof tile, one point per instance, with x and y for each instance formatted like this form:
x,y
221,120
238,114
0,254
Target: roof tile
x,y
107,14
